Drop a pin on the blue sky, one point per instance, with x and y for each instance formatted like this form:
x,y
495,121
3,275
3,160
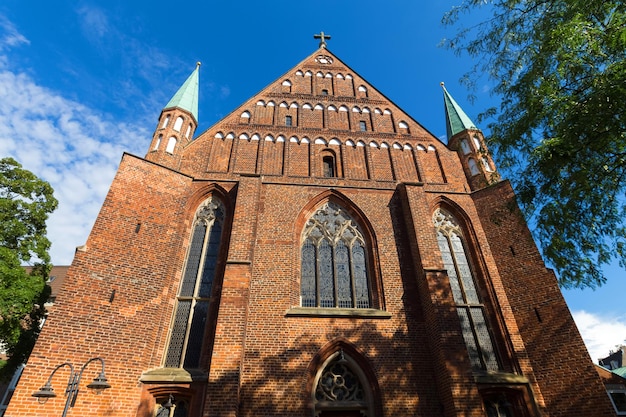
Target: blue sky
x,y
82,82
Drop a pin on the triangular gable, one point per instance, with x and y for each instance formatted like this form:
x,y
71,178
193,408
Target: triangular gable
x,y
346,89
319,101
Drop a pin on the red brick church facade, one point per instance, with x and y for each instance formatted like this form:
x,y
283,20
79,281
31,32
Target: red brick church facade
x,y
315,253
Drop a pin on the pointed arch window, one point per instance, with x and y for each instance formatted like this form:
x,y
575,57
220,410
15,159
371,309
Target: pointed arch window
x,y
469,307
192,306
341,385
334,267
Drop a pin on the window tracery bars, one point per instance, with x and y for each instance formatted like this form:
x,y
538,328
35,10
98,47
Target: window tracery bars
x,y
333,256
339,384
192,306
469,307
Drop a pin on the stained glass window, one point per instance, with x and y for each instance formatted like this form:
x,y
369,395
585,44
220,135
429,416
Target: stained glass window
x,y
188,328
470,309
333,256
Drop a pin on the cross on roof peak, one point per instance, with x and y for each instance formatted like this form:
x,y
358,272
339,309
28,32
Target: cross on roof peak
x,y
322,37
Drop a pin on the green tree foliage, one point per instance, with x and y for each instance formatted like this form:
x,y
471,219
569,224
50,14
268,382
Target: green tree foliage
x,y
25,203
560,131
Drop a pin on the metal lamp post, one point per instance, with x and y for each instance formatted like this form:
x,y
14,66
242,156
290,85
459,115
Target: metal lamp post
x,y
98,384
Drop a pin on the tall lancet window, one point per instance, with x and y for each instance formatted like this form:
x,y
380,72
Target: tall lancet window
x,y
471,310
188,329
334,266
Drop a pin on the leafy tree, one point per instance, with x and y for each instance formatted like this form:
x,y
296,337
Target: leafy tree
x,y
25,203
559,67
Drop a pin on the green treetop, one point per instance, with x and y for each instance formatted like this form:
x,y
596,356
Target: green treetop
x,y
559,67
25,203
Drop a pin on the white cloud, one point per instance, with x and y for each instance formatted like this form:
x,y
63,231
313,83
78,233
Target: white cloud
x,y
11,36
600,333
71,146
94,22
75,148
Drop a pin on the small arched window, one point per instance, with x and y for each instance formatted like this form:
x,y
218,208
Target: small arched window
x,y
342,385
286,86
192,305
477,143
171,145
188,131
328,165
473,166
166,121
470,309
486,164
157,143
178,124
334,261
465,147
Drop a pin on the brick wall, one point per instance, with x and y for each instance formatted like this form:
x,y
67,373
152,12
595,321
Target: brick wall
x,y
263,352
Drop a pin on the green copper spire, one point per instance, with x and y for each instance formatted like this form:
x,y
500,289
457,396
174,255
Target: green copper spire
x,y
456,119
186,98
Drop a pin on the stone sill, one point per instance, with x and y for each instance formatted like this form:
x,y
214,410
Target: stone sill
x,y
173,375
370,313
499,378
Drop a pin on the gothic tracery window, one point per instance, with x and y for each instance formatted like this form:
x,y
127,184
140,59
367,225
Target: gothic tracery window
x,y
341,385
192,307
469,307
334,267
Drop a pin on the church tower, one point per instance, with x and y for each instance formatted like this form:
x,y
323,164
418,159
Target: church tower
x,y
469,142
177,124
315,253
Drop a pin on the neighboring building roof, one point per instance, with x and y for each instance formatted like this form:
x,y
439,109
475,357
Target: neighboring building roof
x,y
620,371
456,119
610,377
615,359
186,98
55,279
